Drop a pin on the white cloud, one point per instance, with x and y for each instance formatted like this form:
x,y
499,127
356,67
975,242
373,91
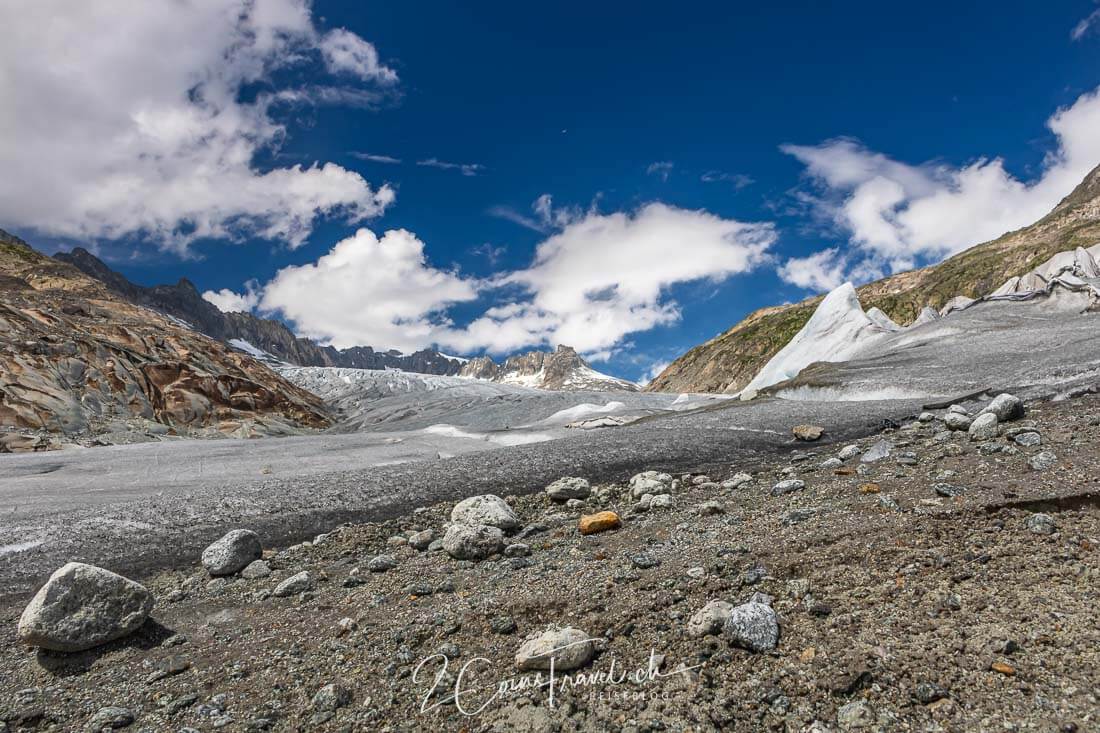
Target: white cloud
x,y
653,372
604,276
346,52
374,158
597,279
661,169
122,118
369,291
1085,25
737,180
546,216
467,169
820,271
899,214
228,301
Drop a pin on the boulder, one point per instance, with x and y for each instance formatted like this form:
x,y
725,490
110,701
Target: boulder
x,y
957,421
569,488
294,585
255,570
82,606
1005,406
488,509
984,427
232,553
877,452
709,619
788,486
566,648
473,541
808,433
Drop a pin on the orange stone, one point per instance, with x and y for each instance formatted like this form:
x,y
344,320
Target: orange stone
x,y
599,522
1003,668
869,488
807,655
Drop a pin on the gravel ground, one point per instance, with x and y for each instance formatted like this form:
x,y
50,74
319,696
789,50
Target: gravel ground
x,y
899,608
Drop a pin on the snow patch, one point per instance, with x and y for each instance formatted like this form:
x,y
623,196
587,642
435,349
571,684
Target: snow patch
x,y
582,411
503,438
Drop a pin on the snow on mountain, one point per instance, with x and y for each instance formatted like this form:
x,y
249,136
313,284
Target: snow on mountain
x,y
562,369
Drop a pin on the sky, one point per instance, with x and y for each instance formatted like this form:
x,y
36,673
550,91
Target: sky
x,y
494,177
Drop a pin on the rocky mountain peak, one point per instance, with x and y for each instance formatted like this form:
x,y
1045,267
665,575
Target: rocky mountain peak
x,y
561,369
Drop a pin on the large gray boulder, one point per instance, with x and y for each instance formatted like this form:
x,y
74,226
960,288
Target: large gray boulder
x,y
232,553
568,488
472,542
567,648
984,427
82,606
488,509
1005,406
650,482
753,626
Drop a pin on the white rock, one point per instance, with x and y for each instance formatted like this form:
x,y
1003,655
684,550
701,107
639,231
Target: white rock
x,y
737,481
650,482
567,648
1005,406
753,626
957,421
294,585
569,488
472,542
848,452
788,486
82,606
984,427
661,501
487,509
232,553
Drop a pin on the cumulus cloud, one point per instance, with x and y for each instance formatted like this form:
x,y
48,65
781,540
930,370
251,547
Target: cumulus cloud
x,y
369,291
898,215
824,270
126,118
595,280
228,301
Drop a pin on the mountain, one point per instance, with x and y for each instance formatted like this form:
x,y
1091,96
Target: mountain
x,y
727,363
78,358
562,369
183,301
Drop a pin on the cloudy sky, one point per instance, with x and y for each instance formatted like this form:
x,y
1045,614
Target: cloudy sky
x,y
493,179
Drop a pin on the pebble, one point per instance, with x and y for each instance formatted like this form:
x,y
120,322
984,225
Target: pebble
x,y
569,487
517,549
644,562
661,501
877,452
710,619
1042,461
856,715
422,540
110,717
1039,523
381,563
831,463
848,452
1028,440
256,569
503,625
564,648
331,697
709,508
807,433
926,417
736,481
949,490
928,692
957,421
295,584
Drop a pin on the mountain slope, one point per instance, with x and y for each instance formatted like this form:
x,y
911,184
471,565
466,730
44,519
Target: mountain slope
x,y
76,358
183,301
562,369
728,362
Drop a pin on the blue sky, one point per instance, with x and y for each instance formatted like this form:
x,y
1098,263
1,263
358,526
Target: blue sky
x,y
658,140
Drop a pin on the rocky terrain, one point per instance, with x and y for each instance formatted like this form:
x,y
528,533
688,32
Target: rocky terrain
x,y
79,363
183,301
940,574
561,369
729,361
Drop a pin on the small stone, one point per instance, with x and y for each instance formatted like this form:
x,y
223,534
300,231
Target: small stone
x,y
517,549
110,717
697,573
331,697
1042,461
856,715
957,421
709,508
808,433
397,541
830,463
644,561
710,619
381,563
737,481
256,569
599,522
984,427
926,417
957,410
232,553
569,488
869,488
473,542
503,625
563,648
888,502
1005,406
422,540
661,501
1028,440
82,606
752,626
948,490
788,486
928,692
345,626
1040,524
700,480
848,452
486,510
295,584
1004,668
877,452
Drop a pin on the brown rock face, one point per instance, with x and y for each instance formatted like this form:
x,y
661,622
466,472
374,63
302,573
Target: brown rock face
x,y
75,358
728,362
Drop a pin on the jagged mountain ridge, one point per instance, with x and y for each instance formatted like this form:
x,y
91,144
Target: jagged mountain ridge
x,y
76,358
183,301
561,369
729,361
